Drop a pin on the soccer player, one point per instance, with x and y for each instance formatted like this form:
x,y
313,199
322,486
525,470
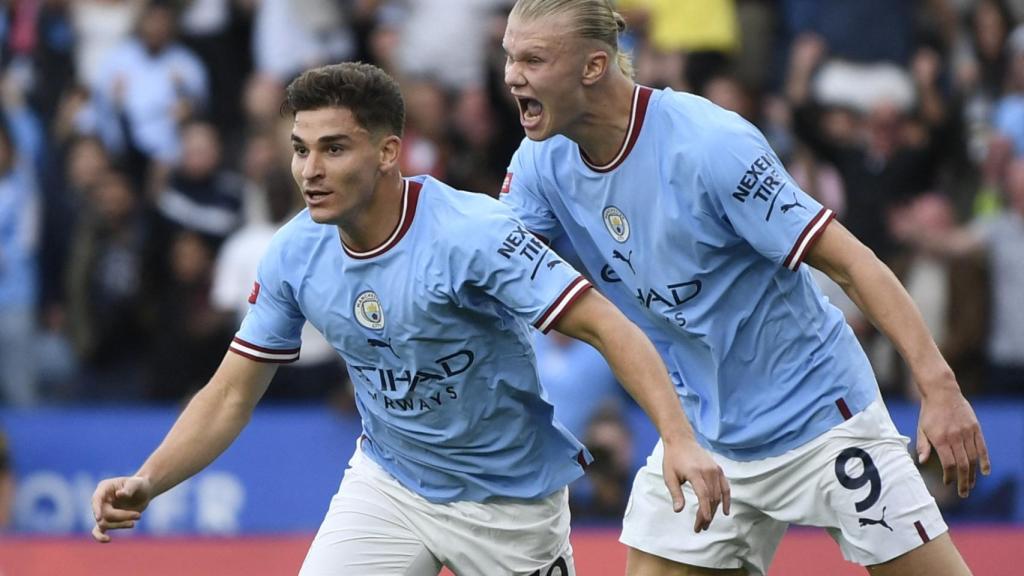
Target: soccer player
x,y
428,293
688,222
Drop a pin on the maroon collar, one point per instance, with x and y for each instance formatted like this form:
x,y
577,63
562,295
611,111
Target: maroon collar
x,y
410,196
641,96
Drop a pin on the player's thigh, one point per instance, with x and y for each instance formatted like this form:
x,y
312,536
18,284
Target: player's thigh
x,y
871,497
365,534
741,543
503,536
938,557
640,563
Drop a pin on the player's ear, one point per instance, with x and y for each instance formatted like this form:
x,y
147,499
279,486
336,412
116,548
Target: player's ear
x,y
595,67
389,151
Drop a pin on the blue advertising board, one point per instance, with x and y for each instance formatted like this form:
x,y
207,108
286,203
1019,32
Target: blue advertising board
x,y
280,474
277,477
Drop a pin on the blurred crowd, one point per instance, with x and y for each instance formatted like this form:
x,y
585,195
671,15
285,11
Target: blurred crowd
x,y
144,166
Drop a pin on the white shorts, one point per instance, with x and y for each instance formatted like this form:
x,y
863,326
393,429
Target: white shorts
x,y
376,526
857,481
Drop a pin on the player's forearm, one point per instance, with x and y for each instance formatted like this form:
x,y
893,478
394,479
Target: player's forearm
x,y
881,297
209,424
203,431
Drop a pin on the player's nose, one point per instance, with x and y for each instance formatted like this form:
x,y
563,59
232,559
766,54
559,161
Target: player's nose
x,y
312,167
513,75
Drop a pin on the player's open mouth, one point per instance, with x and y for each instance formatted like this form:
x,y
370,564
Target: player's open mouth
x,y
314,196
530,111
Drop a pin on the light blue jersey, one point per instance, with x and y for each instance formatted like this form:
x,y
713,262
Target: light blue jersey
x,y
435,328
697,233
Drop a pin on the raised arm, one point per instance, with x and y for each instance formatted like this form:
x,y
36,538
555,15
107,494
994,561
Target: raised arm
x,y
636,364
947,421
208,425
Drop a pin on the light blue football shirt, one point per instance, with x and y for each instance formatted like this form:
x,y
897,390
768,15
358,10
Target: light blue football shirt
x,y
697,233
435,326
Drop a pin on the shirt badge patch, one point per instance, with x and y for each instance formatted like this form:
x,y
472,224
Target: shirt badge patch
x,y
368,311
616,223
255,292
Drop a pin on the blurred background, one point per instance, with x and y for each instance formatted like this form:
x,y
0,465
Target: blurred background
x,y
144,166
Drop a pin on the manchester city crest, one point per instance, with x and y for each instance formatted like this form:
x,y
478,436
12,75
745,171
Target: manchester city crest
x,y
368,311
616,223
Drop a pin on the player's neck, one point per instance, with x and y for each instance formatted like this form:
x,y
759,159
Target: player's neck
x,y
373,225
601,129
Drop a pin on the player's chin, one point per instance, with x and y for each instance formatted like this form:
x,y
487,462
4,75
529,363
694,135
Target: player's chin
x,y
537,135
321,215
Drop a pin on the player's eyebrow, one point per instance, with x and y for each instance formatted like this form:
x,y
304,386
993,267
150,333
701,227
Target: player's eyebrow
x,y
529,46
326,139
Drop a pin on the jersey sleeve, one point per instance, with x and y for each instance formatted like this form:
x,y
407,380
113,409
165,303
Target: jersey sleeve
x,y
521,191
271,330
511,265
750,189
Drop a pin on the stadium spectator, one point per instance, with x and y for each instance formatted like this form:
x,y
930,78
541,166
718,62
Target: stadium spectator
x,y
51,53
384,35
261,101
200,195
85,163
290,35
261,161
187,348
109,309
982,58
100,26
603,493
476,160
145,87
1001,239
725,90
980,64
952,296
19,235
881,163
218,32
1009,110
426,144
424,53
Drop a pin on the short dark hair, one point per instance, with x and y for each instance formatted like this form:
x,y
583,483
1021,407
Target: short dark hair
x,y
373,97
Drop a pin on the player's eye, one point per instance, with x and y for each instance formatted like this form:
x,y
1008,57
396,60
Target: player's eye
x,y
335,149
300,150
534,60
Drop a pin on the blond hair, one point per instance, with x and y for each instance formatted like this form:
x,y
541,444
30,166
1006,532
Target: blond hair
x,y
591,19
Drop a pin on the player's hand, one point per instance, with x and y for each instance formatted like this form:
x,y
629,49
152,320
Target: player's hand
x,y
948,423
686,461
118,503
